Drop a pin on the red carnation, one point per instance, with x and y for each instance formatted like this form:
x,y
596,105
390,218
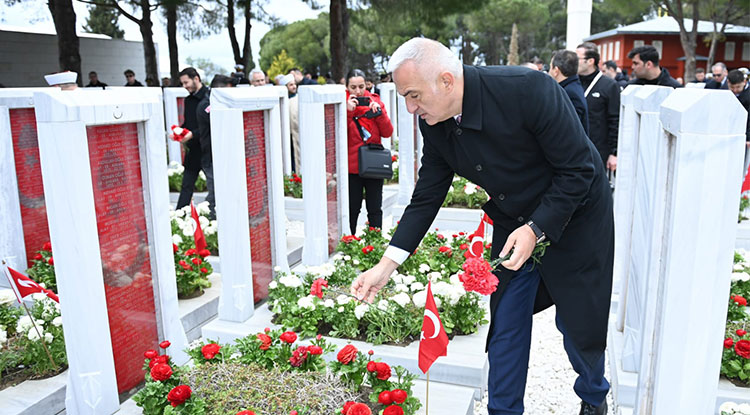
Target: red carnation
x,y
175,248
179,394
728,343
288,337
51,261
371,367
399,396
210,350
204,253
196,261
740,300
161,372
150,354
359,409
190,252
742,348
384,371
347,354
317,287
393,410
385,398
294,413
315,350
265,341
246,412
38,257
741,332
47,246
478,276
165,344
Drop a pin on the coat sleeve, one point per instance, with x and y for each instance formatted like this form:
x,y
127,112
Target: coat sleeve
x,y
435,178
613,116
570,154
204,124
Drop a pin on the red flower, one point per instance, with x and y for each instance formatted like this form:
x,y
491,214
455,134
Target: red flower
x,y
371,367
463,247
742,348
150,354
399,396
294,413
393,410
161,371
394,157
359,409
462,233
47,246
179,394
445,250
165,344
184,264
158,359
299,356
190,252
349,238
38,257
741,332
385,398
288,337
478,276
175,248
315,350
728,343
440,237
203,270
347,405
210,350
366,250
738,299
455,236
317,287
246,412
196,261
265,341
51,261
384,371
204,253
347,354
371,352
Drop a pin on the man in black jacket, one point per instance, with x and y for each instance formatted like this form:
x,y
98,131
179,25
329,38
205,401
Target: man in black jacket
x,y
564,69
719,80
603,100
515,133
646,70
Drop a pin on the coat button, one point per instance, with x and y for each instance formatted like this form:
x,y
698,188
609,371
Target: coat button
x,y
520,218
501,196
478,167
459,131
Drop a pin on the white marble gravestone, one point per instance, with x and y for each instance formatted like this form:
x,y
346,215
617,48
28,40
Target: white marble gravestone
x,y
285,127
102,159
174,114
248,171
388,96
325,174
21,193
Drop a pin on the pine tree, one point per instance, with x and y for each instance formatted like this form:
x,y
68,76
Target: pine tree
x,y
103,20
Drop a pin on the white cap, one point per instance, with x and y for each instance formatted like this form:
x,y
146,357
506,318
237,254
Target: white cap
x,y
60,78
286,79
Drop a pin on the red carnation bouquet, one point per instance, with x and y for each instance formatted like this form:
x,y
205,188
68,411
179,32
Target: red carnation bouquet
x,y
179,133
478,275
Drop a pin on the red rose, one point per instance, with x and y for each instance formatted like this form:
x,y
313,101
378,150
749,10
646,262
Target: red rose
x,y
204,253
315,350
150,354
393,410
38,257
288,337
210,350
741,332
161,371
728,343
179,394
47,246
385,398
175,248
384,371
51,261
371,367
196,261
203,270
742,348
317,287
347,405
463,247
190,252
265,341
246,412
399,396
165,344
740,300
359,409
158,359
347,354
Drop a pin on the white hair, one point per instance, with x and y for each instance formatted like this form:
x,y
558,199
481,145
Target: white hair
x,y
429,55
256,70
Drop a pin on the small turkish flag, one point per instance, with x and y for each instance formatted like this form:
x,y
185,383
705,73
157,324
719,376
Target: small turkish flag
x,y
435,344
27,286
476,247
200,239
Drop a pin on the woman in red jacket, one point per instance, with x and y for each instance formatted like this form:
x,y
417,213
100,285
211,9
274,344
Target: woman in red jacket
x,y
367,110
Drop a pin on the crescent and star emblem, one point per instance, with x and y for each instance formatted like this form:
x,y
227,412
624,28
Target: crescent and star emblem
x,y
435,324
477,245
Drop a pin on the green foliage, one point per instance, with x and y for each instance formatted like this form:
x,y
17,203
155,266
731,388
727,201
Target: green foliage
x,y
175,173
281,65
465,194
43,269
209,68
305,42
744,205
103,20
192,272
293,186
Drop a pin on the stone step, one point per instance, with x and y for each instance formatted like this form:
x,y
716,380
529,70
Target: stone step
x,y
35,397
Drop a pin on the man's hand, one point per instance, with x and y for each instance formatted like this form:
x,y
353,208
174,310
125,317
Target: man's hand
x,y
188,136
373,280
351,104
523,240
612,162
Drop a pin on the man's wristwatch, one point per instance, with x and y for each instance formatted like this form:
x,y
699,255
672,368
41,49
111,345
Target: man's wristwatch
x,y
540,236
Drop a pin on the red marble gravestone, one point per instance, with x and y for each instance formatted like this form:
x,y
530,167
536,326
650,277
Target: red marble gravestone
x,y
257,202
124,245
29,176
331,177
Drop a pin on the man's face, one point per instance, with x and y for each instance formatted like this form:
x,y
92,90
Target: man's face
x,y
191,84
639,67
93,78
424,97
737,88
584,65
258,79
719,73
700,76
291,87
130,78
297,76
612,73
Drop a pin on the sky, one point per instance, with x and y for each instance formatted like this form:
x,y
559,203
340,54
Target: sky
x,y
34,14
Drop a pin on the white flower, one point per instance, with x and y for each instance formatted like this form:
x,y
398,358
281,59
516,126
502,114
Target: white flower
x,y
401,299
179,213
744,409
277,269
360,310
470,188
306,302
456,178
202,175
420,298
23,324
455,280
409,279
417,286
188,231
3,337
343,299
383,305
7,296
273,285
57,321
176,239
48,337
202,207
434,276
340,309
355,262
401,287
738,266
291,281
38,296
338,257
442,266
347,258
740,276
424,268
32,335
728,407
398,278
204,221
328,303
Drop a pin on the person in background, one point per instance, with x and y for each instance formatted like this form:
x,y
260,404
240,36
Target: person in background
x,y
611,70
66,81
222,81
564,69
94,81
366,123
700,75
291,85
719,80
300,79
739,87
646,69
257,77
130,78
166,82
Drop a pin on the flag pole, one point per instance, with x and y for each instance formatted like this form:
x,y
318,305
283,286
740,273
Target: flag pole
x,y
427,395
54,365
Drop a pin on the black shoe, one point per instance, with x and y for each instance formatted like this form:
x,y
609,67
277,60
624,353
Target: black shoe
x,y
589,409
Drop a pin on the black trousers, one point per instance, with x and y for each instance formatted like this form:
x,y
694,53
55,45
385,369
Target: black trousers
x,y
194,162
374,200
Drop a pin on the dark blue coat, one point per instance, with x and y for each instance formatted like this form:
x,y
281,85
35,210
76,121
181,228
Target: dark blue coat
x,y
573,88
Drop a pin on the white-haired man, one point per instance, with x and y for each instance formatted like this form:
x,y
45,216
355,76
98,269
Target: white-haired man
x,y
514,132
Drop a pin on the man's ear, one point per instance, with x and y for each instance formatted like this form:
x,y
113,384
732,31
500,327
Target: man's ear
x,y
446,81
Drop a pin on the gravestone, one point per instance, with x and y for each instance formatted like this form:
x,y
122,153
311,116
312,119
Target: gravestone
x,y
388,96
23,224
325,184
174,114
409,156
102,158
285,128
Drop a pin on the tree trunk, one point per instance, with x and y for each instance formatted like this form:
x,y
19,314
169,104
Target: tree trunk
x,y
513,53
339,25
68,45
174,62
246,51
149,50
688,40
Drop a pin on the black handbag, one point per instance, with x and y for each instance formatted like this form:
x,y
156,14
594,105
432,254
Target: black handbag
x,y
374,159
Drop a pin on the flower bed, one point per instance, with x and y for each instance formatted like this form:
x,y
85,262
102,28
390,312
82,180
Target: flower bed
x,y
174,174
269,373
316,300
293,186
464,194
735,362
191,271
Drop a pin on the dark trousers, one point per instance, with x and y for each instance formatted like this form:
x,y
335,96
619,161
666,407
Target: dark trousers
x,y
194,163
373,200
509,351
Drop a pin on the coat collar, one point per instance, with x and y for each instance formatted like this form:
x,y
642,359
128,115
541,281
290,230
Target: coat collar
x,y
471,108
569,80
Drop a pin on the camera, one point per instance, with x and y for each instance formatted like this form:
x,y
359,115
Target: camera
x,y
363,101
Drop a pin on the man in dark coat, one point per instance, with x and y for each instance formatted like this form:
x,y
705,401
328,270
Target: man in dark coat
x,y
515,133
646,69
563,68
719,80
603,100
